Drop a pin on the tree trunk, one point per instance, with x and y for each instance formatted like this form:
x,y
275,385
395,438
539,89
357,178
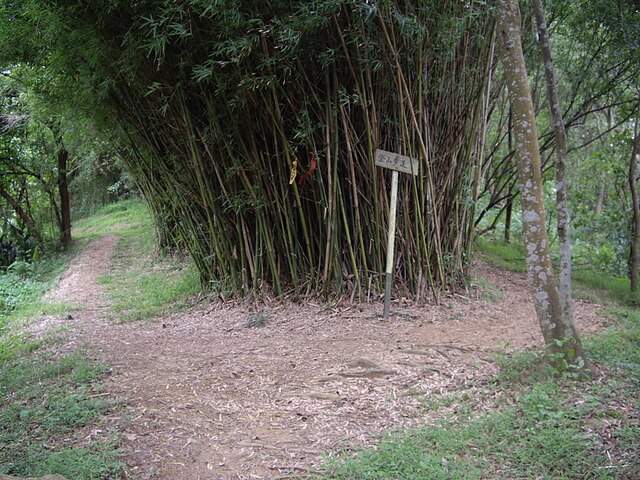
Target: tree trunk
x,y
564,348
562,190
24,216
509,212
634,256
600,199
605,139
63,189
507,219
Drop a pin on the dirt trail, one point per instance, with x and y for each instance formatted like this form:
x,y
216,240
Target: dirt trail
x,y
207,397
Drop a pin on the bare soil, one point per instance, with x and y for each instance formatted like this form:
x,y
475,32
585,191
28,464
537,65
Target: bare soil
x,y
206,395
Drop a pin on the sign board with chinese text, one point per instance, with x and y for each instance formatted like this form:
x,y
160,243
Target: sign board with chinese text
x,y
398,162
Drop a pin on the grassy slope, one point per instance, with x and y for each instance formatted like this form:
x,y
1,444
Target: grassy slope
x,y
540,426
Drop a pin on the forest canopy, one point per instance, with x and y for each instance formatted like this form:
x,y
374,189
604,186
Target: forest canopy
x,y
250,127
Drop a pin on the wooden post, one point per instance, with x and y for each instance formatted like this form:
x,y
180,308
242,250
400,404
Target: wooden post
x,y
391,236
397,163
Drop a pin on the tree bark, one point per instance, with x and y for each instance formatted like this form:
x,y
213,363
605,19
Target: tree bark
x,y
507,220
600,199
21,212
562,190
63,190
509,212
564,348
605,138
634,255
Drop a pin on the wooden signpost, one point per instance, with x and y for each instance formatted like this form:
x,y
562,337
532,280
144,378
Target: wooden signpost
x,y
397,163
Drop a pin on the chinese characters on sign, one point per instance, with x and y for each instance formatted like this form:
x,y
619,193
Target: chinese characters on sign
x,y
395,161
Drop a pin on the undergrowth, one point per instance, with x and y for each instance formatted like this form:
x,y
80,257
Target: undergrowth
x,y
45,400
593,285
540,428
21,297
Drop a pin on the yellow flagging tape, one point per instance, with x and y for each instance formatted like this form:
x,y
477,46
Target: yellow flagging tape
x,y
294,171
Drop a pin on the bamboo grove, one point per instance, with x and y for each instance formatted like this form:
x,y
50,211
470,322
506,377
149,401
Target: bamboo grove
x,y
251,129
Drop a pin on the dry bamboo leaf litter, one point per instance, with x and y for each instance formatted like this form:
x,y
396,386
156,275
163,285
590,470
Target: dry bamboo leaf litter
x,y
207,398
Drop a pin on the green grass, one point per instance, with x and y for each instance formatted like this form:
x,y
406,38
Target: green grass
x,y
527,424
544,435
619,346
44,401
509,256
141,283
21,299
16,291
594,285
129,217
588,283
23,284
498,446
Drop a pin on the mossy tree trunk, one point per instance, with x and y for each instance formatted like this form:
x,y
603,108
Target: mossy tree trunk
x,y
564,348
